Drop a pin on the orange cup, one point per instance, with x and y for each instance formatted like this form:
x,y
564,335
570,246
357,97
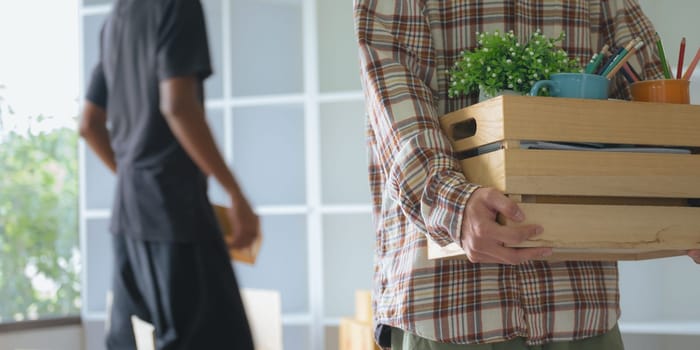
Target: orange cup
x,y
662,91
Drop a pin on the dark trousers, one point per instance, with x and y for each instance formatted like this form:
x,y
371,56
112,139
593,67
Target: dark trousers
x,y
188,291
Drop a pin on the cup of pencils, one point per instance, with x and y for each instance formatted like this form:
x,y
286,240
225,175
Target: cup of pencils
x,y
661,91
667,90
671,89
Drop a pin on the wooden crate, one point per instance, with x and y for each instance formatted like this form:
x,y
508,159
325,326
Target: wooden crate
x,y
356,335
593,205
363,305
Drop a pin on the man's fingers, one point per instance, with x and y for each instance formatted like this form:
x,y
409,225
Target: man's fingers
x,y
497,201
511,235
507,234
695,255
242,242
488,245
243,238
484,240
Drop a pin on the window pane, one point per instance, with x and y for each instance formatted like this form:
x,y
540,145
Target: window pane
x,y
39,272
339,67
266,47
268,153
296,338
348,248
92,25
99,182
281,264
98,264
213,86
39,247
344,154
215,118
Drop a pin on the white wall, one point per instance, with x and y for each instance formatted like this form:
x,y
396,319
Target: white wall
x,y
673,20
60,338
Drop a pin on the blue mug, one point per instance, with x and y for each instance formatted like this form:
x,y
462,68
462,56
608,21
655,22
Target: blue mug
x,y
574,85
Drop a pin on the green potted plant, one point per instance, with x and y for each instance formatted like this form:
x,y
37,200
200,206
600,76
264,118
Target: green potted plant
x,y
501,62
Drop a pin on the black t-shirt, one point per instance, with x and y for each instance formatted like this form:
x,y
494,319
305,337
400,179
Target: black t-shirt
x,y
161,194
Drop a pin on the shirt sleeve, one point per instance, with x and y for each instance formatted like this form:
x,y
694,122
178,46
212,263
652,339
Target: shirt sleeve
x,y
97,88
183,48
397,62
627,21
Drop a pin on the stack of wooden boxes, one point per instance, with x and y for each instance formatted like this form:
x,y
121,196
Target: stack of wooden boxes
x,y
632,200
357,333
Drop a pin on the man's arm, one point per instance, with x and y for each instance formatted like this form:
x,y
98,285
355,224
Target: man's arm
x,y
93,124
93,128
397,62
184,114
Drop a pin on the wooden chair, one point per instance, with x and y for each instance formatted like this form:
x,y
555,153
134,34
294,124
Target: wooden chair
x,y
144,333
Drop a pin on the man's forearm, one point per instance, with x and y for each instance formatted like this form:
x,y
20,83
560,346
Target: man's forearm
x,y
194,135
98,140
93,128
184,113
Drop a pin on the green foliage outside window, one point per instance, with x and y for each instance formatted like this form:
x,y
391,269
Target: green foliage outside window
x,y
39,249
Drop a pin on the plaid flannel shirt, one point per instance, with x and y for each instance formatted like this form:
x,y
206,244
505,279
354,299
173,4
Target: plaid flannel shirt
x,y
418,190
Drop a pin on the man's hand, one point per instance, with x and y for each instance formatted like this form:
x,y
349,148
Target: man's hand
x,y
483,238
245,224
695,255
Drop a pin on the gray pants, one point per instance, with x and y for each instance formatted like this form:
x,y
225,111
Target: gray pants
x,y
611,340
186,290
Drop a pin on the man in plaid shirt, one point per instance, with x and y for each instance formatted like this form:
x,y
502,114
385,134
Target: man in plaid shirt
x,y
500,297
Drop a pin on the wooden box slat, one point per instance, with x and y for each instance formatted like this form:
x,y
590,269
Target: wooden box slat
x,y
576,120
553,172
453,251
614,226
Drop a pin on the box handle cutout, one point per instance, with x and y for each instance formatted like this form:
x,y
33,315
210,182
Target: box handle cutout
x,y
464,129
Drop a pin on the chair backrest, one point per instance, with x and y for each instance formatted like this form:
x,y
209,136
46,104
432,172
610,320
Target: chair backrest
x,y
264,312
144,333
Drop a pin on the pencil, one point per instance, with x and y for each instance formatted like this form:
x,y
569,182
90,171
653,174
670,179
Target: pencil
x,y
607,63
662,57
631,69
618,59
623,60
629,73
692,66
595,62
681,53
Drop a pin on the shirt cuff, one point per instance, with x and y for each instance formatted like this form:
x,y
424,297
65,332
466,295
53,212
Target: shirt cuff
x,y
443,206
